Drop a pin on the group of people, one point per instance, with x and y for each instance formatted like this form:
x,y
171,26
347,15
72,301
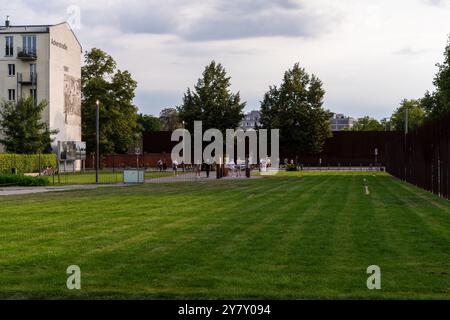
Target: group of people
x,y
162,165
197,168
202,167
235,169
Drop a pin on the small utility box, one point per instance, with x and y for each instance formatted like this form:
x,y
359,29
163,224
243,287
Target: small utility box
x,y
133,176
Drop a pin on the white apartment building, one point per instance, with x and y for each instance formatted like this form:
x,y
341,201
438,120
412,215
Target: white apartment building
x,y
250,120
44,62
339,122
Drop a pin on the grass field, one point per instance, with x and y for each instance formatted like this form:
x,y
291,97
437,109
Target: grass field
x,y
295,236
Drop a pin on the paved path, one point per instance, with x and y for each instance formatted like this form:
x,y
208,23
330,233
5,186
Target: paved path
x,y
188,177
14,191
191,177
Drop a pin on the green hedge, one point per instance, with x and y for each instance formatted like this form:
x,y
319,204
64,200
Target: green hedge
x,y
26,163
23,181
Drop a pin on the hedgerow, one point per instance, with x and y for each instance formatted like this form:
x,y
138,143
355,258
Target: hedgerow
x,y
26,163
22,181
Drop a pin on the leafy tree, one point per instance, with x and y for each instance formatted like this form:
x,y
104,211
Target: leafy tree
x,y
438,102
212,102
368,124
169,119
386,123
416,115
149,123
115,89
296,108
24,132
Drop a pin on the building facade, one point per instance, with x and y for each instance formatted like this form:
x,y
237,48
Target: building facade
x,y
339,122
44,62
250,120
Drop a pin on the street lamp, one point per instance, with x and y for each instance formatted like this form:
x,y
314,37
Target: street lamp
x,y
406,121
97,133
184,145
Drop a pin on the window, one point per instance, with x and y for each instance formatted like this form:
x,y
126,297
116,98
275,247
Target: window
x,y
12,95
29,45
33,69
9,49
33,73
11,70
33,95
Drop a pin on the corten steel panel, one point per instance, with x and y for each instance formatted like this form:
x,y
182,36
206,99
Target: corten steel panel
x,y
158,142
349,148
343,148
422,157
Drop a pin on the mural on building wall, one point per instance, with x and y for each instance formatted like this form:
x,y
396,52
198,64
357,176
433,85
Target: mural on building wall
x,y
72,100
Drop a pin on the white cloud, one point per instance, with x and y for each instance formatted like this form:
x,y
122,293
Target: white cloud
x,y
370,55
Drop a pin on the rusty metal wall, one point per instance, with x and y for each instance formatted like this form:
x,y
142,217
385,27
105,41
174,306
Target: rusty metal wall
x,y
422,157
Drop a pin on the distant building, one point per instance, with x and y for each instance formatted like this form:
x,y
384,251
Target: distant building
x,y
251,120
339,122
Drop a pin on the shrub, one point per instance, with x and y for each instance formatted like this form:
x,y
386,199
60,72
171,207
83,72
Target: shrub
x,y
23,181
25,163
291,167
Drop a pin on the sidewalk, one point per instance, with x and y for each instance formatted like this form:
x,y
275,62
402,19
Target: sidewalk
x,y
15,191
192,177
187,177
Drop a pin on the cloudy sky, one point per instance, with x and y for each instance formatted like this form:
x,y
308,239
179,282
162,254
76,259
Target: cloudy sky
x,y
369,54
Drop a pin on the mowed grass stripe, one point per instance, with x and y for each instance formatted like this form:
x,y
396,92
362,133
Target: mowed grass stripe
x,y
186,237
339,265
209,239
262,240
428,207
299,235
423,260
417,236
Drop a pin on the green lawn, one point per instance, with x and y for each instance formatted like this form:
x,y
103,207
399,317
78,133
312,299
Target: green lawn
x,y
294,236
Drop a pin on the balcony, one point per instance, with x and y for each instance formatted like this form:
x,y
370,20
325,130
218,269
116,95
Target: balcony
x,y
27,54
27,78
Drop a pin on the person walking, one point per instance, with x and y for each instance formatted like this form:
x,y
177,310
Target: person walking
x,y
232,168
175,167
238,169
160,165
198,171
207,168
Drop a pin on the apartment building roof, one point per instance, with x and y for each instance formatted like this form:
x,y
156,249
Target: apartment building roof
x,y
11,29
25,29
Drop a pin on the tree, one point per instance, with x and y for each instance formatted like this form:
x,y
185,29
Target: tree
x,y
23,129
169,119
296,109
212,101
438,102
386,123
149,123
368,124
416,115
115,89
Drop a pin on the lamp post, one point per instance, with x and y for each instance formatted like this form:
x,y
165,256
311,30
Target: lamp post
x,y
184,145
97,133
406,121
376,157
